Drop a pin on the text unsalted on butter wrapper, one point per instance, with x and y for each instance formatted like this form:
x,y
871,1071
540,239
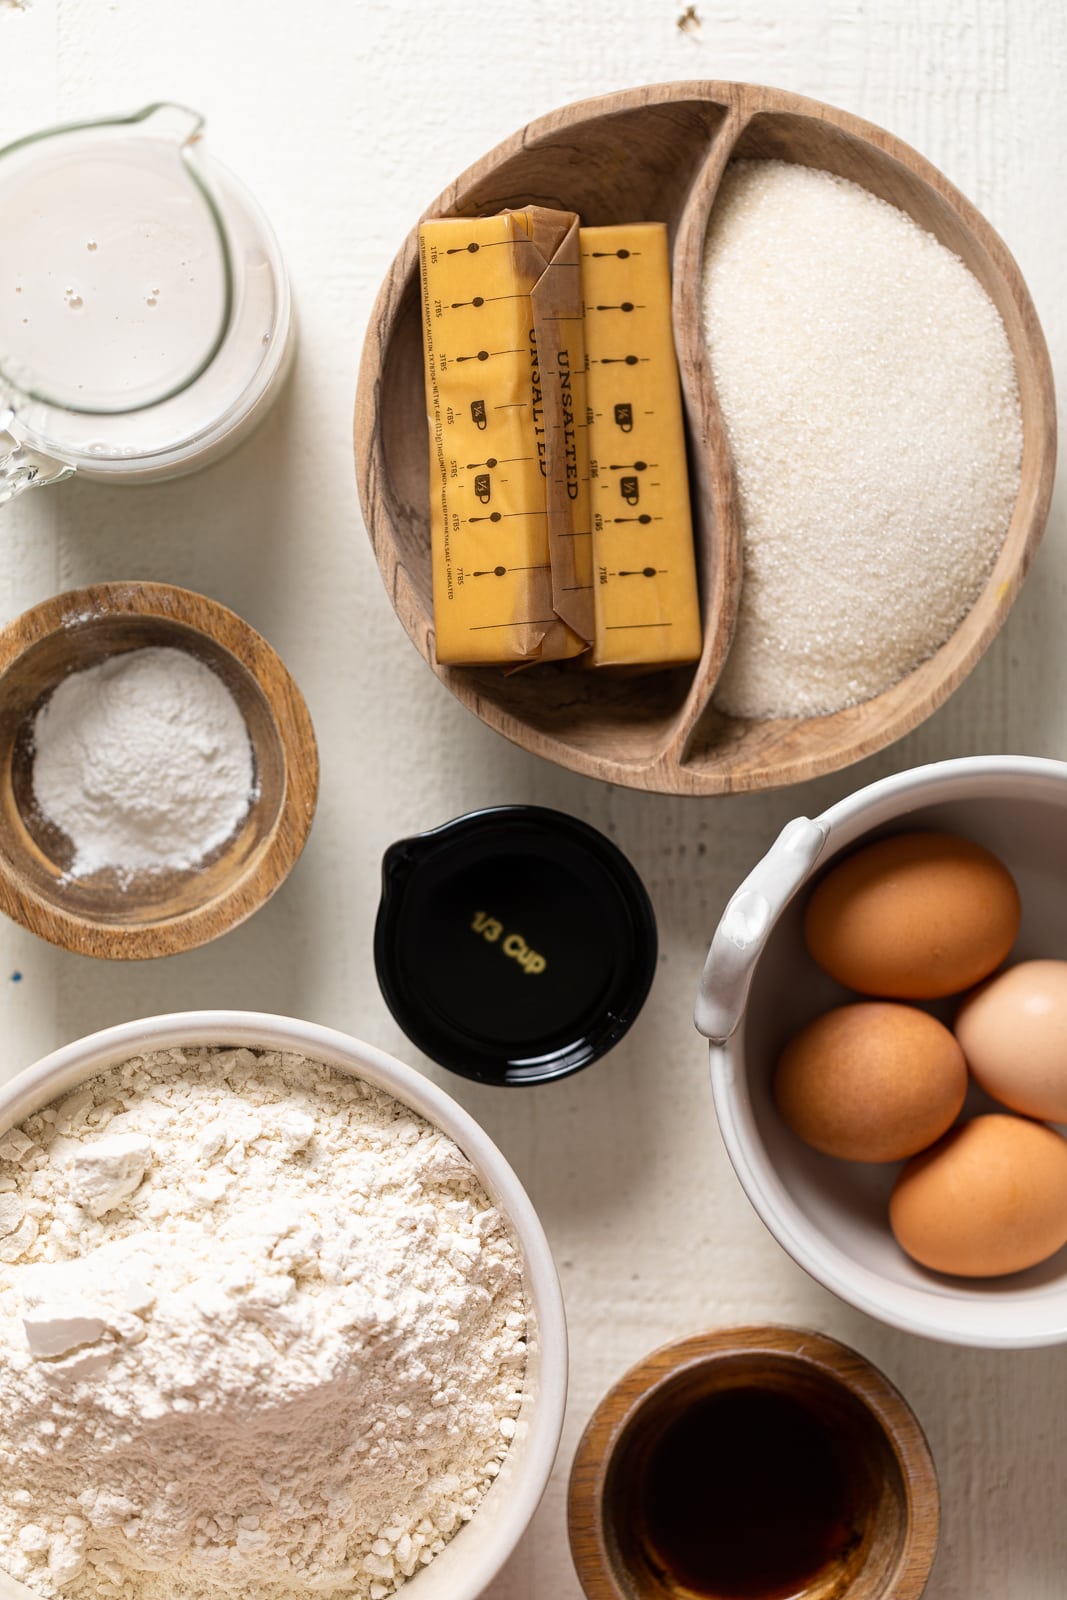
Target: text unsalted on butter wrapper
x,y
500,491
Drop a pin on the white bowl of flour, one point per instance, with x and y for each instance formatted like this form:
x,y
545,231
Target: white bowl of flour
x,y
276,1319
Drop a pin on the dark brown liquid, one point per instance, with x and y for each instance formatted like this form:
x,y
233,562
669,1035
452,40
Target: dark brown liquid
x,y
747,1497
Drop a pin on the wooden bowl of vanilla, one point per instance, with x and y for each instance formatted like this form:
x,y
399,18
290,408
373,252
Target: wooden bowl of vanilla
x,y
158,770
870,423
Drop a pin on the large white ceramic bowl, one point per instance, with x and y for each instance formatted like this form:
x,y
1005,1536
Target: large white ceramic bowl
x,y
475,1555
760,985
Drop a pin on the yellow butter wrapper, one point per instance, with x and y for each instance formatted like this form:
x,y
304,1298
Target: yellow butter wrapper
x,y
645,591
559,328
492,569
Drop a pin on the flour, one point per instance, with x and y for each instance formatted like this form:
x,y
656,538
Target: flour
x,y
262,1334
143,761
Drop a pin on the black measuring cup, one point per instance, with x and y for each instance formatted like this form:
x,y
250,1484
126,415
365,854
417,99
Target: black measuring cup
x,y
514,944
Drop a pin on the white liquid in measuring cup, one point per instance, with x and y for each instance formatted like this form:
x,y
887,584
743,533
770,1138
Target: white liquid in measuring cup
x,y
115,282
145,318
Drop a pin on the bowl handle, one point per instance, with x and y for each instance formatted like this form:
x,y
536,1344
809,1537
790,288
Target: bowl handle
x,y
21,468
749,917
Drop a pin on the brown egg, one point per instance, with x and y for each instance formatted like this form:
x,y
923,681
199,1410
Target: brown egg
x,y
989,1198
1014,1034
871,1082
913,916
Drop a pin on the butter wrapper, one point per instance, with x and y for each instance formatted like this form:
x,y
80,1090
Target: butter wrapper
x,y
646,598
501,479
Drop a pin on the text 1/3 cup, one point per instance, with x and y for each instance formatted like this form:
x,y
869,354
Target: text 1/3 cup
x,y
513,945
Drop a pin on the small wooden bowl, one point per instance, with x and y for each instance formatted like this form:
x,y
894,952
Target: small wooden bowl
x,y
883,1456
152,913
658,154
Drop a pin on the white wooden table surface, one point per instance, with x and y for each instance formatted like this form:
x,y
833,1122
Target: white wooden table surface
x,y
345,117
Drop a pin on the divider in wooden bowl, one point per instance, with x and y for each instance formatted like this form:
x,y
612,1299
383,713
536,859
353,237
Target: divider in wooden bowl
x,y
658,154
725,753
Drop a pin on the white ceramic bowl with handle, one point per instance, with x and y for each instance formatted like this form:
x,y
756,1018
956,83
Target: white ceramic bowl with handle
x,y
471,1559
760,986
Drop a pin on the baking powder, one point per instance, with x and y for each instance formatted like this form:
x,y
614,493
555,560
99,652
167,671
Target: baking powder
x,y
263,1334
143,761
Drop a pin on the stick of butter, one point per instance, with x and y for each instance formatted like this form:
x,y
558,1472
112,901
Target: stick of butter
x,y
645,593
559,326
489,445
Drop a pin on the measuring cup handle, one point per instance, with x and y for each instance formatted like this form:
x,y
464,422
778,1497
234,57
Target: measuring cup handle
x,y
24,469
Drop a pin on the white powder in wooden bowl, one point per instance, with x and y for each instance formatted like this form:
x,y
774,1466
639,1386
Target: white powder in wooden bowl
x,y
143,761
871,404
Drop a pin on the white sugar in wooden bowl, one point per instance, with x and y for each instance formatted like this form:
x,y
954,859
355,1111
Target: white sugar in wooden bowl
x,y
870,400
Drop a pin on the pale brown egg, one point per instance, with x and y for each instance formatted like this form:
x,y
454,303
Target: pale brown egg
x,y
988,1199
913,916
871,1082
1014,1034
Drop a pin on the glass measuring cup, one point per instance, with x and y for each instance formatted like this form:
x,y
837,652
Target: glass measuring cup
x,y
145,314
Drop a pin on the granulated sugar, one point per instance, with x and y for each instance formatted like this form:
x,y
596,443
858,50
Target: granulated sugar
x,y
871,405
262,1334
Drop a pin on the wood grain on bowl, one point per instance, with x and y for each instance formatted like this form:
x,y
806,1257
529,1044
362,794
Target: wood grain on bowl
x,y
658,154
883,1531
157,913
